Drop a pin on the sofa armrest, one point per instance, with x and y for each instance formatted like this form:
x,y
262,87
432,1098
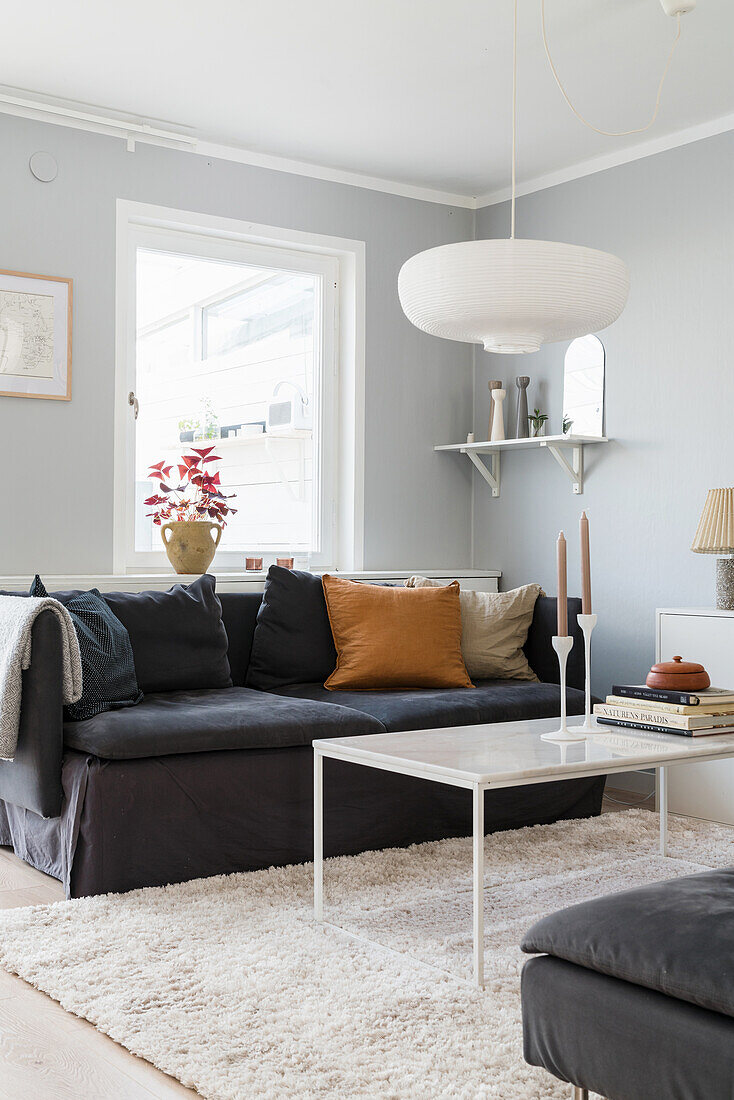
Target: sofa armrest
x,y
33,779
539,648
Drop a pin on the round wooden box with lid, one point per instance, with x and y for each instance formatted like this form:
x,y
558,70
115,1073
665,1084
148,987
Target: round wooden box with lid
x,y
678,675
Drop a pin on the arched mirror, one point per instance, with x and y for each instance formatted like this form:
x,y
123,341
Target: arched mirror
x,y
583,387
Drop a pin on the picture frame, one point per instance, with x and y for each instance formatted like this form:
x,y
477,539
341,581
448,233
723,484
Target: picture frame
x,y
35,335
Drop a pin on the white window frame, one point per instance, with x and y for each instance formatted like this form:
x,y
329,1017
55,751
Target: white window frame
x,y
338,487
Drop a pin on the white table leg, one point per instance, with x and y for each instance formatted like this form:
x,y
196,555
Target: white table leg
x,y
478,886
318,835
663,809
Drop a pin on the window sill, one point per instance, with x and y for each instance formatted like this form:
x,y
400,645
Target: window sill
x,y
236,581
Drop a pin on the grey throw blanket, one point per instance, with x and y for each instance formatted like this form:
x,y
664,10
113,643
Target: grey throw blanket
x,y
17,617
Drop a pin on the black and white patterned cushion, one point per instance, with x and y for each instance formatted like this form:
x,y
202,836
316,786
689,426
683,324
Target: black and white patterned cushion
x,y
108,667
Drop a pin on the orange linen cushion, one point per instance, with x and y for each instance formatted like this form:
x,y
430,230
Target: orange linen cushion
x,y
395,637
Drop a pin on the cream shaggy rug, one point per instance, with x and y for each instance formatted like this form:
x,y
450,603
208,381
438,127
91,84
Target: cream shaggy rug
x,y
229,985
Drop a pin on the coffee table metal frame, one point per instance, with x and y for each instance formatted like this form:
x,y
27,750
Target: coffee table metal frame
x,y
353,749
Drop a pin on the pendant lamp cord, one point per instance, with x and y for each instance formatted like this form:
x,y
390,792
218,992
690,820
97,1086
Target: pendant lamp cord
x,y
580,117
514,121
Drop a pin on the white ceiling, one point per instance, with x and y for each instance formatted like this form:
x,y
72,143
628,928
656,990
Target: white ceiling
x,y
414,91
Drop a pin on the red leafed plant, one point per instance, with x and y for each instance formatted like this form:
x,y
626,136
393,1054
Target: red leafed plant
x,y
197,496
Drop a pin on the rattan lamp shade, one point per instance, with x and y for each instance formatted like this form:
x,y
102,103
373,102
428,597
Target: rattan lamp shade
x,y
715,534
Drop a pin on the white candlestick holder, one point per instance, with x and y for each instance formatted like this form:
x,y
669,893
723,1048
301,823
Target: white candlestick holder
x,y
587,624
563,644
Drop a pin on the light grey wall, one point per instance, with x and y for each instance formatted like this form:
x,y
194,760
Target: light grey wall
x,y
57,458
669,399
670,387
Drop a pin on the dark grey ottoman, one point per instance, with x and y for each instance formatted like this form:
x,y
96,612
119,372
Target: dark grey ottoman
x,y
633,995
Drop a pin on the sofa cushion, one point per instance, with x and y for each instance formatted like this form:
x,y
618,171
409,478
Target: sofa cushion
x,y
390,638
292,642
203,721
178,637
539,649
675,937
436,708
239,615
494,628
108,669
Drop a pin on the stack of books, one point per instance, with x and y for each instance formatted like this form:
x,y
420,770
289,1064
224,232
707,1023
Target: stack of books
x,y
690,714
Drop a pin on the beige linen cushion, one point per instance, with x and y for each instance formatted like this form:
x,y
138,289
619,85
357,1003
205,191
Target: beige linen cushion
x,y
495,627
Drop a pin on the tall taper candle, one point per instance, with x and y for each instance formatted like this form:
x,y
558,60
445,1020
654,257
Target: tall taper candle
x,y
562,587
585,566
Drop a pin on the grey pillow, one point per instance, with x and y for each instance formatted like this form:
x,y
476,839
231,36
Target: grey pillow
x,y
108,670
293,643
178,637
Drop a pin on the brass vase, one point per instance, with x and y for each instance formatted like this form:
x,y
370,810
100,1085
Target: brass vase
x,y
190,547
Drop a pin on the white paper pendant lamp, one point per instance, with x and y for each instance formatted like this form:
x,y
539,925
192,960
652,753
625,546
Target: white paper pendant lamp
x,y
512,295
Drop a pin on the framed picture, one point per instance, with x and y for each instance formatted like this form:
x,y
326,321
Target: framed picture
x,y
35,336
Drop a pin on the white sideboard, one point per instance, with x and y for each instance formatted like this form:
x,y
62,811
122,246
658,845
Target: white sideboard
x,y
707,636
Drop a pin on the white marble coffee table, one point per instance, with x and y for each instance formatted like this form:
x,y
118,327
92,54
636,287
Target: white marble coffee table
x,y
508,754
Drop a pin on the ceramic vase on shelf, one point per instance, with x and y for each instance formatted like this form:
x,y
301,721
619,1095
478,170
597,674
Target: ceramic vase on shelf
x,y
494,385
190,545
498,419
521,425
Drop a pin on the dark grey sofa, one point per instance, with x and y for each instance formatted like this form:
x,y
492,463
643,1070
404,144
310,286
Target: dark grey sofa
x,y
633,996
194,783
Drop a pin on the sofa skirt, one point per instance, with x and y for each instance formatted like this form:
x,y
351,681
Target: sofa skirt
x,y
620,1040
148,822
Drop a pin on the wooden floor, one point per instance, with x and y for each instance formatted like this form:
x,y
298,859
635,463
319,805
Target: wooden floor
x,y
48,1054
45,1052
626,800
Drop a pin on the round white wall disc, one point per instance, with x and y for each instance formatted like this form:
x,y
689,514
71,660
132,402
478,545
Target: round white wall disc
x,y
44,167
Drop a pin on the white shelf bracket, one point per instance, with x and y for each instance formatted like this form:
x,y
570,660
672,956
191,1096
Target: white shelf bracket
x,y
491,476
576,471
567,450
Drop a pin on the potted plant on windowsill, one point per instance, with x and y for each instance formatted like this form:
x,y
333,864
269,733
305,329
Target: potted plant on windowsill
x,y
187,428
208,425
191,515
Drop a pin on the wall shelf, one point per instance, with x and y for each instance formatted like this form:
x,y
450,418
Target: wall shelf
x,y
567,450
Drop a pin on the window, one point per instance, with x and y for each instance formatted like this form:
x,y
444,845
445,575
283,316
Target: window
x,y
233,354
276,304
235,343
